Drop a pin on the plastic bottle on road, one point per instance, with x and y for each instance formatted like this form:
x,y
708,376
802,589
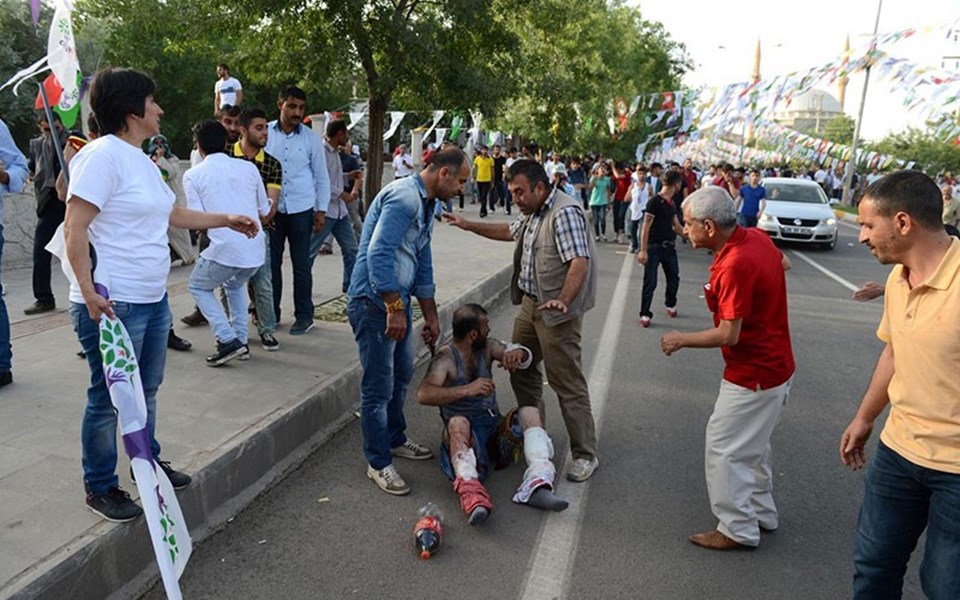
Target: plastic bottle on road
x,y
429,530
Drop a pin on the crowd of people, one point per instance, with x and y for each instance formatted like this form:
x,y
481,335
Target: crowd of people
x,y
259,187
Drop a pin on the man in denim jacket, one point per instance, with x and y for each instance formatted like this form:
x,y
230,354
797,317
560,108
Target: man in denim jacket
x,y
394,263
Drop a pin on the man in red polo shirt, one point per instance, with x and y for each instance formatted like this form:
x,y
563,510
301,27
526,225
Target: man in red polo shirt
x,y
747,295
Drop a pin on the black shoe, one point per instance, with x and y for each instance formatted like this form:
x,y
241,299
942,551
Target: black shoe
x,y
194,319
226,352
40,307
269,343
177,479
175,342
6,378
114,505
301,327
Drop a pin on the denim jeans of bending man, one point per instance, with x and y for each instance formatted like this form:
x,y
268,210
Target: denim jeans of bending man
x,y
148,326
387,370
900,500
261,290
342,231
298,228
207,276
6,351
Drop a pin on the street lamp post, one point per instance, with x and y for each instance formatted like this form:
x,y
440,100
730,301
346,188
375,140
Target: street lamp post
x,y
847,197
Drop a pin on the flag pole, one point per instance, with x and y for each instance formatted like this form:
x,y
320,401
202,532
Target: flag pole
x,y
53,132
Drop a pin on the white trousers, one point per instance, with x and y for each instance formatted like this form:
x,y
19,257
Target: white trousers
x,y
739,462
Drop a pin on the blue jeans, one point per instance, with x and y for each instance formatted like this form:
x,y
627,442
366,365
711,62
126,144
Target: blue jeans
x,y
657,255
6,350
746,220
442,207
634,231
297,227
342,230
619,215
599,219
261,289
502,194
387,370
148,326
207,276
900,500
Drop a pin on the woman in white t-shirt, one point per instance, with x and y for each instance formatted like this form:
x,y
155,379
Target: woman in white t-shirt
x,y
118,204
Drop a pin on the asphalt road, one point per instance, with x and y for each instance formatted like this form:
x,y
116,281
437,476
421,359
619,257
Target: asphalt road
x,y
327,532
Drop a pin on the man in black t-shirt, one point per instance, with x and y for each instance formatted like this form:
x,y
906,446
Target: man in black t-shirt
x,y
499,185
658,246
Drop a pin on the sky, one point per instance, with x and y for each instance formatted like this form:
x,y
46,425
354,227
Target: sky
x,y
806,34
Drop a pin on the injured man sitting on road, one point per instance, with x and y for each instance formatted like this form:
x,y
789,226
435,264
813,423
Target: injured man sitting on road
x,y
475,435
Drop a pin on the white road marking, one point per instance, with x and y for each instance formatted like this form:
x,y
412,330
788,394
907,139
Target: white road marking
x,y
556,548
826,271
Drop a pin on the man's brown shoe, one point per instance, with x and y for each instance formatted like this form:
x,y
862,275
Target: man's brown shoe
x,y
714,540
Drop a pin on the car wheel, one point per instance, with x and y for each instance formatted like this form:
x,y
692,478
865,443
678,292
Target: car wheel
x,y
830,245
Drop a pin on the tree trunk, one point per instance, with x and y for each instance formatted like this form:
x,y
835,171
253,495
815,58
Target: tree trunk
x,y
375,131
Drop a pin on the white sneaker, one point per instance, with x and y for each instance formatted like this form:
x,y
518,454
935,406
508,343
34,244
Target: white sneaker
x,y
388,480
581,469
412,450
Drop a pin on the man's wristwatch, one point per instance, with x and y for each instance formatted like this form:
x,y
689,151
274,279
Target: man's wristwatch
x,y
395,306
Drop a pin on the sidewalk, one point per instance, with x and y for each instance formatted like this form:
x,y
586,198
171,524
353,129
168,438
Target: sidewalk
x,y
236,429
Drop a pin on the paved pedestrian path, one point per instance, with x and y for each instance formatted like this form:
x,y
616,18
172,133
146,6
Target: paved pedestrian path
x,y
237,429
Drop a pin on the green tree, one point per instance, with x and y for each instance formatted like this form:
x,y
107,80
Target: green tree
x,y
839,130
138,34
572,68
23,44
932,155
422,54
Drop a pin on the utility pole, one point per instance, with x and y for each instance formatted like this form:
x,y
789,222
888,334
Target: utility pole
x,y
852,163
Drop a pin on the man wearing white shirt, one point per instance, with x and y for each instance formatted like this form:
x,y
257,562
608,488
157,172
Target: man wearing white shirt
x,y
216,184
402,163
227,91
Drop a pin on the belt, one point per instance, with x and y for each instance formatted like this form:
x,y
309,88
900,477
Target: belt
x,y
666,244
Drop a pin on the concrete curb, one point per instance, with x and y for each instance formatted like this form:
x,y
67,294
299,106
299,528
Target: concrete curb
x,y
117,561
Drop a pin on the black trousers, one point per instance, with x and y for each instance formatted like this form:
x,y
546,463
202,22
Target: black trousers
x,y
483,191
50,214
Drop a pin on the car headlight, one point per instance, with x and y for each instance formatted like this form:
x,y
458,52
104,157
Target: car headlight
x,y
765,218
831,222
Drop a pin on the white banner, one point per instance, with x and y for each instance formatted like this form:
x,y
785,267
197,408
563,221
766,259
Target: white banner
x,y
62,56
395,118
355,117
437,115
441,134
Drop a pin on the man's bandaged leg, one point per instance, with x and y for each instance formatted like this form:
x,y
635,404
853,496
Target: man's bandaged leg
x,y
537,487
465,463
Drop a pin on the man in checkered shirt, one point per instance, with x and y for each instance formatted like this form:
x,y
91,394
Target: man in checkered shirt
x,y
554,282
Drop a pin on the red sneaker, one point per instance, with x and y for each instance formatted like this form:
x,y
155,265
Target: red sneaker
x,y
644,321
672,313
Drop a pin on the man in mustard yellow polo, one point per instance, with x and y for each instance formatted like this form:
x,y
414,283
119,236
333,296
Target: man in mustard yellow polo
x,y
913,482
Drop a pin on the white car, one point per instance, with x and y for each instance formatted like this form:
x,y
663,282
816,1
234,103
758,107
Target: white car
x,y
798,211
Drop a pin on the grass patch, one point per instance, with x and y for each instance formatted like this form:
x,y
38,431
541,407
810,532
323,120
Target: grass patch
x,y
847,209
335,310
